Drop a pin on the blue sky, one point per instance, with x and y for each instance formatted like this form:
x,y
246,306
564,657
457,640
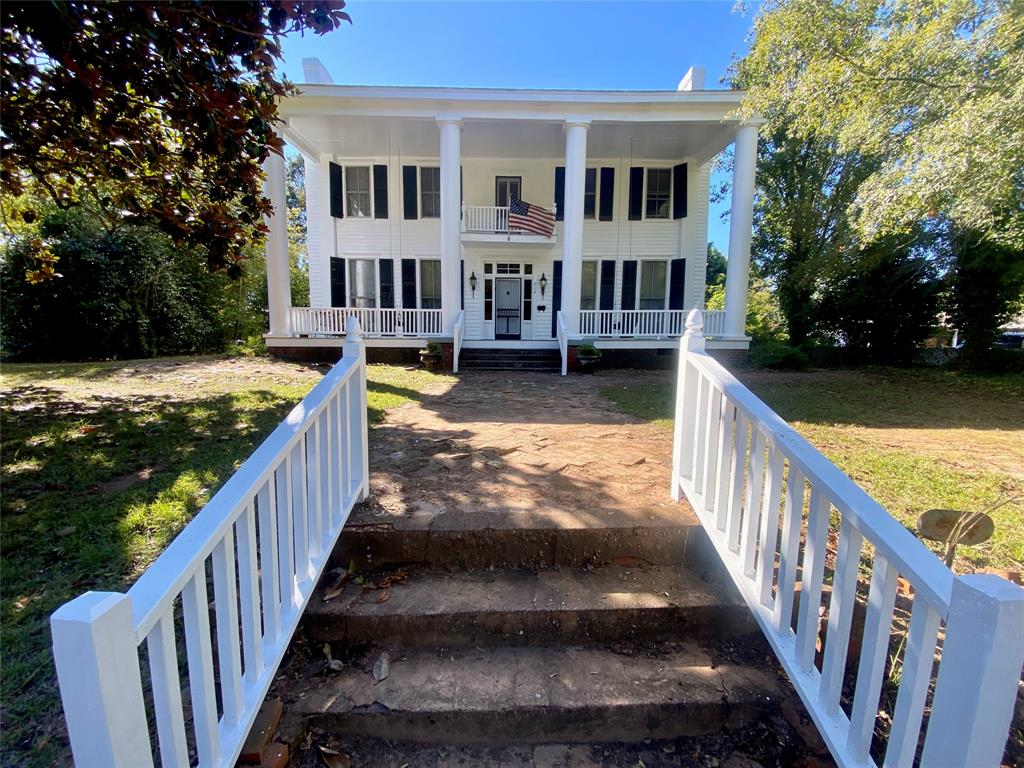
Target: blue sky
x,y
603,45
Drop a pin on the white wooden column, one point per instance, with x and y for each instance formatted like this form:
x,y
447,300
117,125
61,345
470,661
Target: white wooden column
x,y
741,219
572,229
319,231
451,208
279,297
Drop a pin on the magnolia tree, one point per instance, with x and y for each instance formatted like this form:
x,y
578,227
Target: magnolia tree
x,y
152,113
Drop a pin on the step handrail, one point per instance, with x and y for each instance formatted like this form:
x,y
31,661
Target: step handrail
x,y
282,512
742,467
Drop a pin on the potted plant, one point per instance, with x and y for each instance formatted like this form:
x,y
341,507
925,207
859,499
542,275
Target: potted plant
x,y
431,356
588,356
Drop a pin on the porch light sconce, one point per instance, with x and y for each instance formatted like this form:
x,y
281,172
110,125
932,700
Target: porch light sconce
x,y
543,283
472,282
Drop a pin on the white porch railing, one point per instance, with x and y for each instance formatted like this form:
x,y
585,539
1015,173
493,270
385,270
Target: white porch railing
x,y
562,332
740,465
263,541
457,332
330,321
488,220
643,323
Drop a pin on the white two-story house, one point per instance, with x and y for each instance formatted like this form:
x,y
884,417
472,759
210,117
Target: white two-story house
x,y
408,195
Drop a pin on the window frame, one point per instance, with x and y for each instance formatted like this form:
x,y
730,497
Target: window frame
x,y
420,261
498,177
588,175
665,262
422,189
595,284
346,181
668,199
350,296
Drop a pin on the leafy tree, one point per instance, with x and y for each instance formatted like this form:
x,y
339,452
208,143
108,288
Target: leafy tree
x,y
930,90
714,274
154,112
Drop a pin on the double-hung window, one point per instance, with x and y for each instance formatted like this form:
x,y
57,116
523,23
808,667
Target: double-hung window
x,y
588,287
652,284
357,191
590,193
430,284
659,186
430,193
362,280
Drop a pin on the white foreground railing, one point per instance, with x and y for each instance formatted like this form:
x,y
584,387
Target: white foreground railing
x,y
562,332
643,323
457,333
262,542
742,468
376,322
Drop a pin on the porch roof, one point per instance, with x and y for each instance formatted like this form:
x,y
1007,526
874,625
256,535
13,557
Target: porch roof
x,y
359,121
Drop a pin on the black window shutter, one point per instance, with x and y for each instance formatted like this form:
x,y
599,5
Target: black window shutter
x,y
560,193
679,191
380,191
607,194
337,282
462,284
677,284
556,296
387,283
409,192
337,193
409,283
629,285
636,193
607,284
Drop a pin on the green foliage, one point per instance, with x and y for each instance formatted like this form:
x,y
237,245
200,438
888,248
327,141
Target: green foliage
x,y
986,288
126,292
157,114
588,350
881,305
929,90
778,356
714,276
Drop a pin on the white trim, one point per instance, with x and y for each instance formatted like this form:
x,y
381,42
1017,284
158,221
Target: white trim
x,y
510,344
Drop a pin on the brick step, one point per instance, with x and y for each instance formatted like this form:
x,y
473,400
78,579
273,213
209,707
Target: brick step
x,y
535,539
537,695
519,607
541,360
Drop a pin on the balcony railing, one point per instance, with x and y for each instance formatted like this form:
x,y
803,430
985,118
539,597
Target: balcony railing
x,y
489,220
331,321
644,323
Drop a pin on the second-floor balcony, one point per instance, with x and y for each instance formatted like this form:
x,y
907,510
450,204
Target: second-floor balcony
x,y
490,223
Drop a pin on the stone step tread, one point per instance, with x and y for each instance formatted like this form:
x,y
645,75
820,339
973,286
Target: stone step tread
x,y
541,681
432,592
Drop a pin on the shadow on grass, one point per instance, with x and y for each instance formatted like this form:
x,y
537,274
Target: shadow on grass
x,y
93,491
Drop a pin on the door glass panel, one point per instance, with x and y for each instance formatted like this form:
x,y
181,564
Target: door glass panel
x,y
507,307
507,187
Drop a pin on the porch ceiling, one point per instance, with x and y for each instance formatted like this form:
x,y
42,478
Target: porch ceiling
x,y
419,138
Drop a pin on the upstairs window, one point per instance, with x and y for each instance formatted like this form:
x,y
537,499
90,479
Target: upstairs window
x,y
659,186
430,284
430,193
652,284
357,191
590,193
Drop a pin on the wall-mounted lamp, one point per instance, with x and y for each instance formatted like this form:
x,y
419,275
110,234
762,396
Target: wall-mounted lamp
x,y
543,283
472,282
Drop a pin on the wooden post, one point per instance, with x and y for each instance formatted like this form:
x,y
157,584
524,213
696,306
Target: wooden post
x,y
978,675
686,401
356,347
97,661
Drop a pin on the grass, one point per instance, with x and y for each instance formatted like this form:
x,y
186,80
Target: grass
x,y
102,465
914,439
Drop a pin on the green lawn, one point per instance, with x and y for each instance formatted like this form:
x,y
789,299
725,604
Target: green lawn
x,y
915,440
102,464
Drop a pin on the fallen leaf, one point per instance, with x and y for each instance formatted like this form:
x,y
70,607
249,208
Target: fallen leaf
x,y
384,596
327,651
333,759
335,589
382,667
335,665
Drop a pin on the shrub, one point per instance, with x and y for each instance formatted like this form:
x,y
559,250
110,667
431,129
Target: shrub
x,y
778,356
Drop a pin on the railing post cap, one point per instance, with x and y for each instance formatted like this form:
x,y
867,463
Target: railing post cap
x,y
353,331
694,323
989,585
90,606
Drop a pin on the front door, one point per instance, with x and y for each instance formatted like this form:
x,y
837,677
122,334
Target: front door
x,y
508,307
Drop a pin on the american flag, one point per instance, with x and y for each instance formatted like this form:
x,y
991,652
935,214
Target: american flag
x,y
530,218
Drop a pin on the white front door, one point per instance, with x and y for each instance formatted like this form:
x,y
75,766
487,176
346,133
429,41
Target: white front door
x,y
508,308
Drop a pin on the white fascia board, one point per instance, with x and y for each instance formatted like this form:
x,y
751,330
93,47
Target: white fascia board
x,y
298,140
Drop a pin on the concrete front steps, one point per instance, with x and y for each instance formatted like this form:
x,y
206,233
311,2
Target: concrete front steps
x,y
503,359
525,634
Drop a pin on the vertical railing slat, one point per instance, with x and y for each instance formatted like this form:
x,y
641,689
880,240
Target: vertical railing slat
x,y
711,432
285,536
815,549
840,615
315,502
752,509
792,519
166,683
196,611
268,564
737,471
249,588
225,599
726,425
769,533
300,514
